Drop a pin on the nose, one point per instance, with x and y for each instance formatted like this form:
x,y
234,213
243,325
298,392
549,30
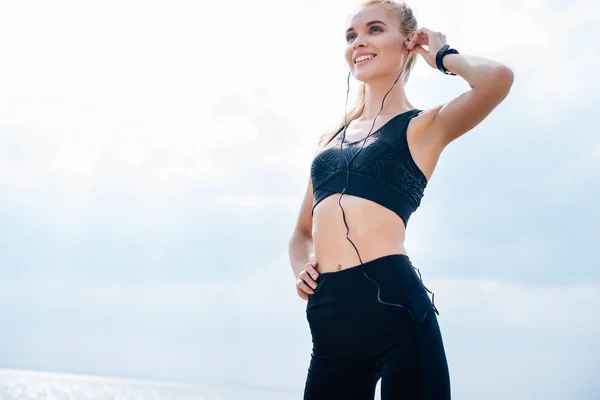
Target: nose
x,y
359,41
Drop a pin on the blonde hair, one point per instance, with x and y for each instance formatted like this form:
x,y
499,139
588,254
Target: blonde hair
x,y
408,24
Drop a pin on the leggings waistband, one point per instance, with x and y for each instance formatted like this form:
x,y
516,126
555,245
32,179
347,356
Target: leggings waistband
x,y
394,273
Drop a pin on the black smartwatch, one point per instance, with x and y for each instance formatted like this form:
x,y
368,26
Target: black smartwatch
x,y
439,57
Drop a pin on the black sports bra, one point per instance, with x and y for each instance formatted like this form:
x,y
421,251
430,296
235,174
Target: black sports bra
x,y
384,170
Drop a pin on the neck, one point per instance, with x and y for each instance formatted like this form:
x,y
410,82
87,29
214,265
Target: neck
x,y
395,102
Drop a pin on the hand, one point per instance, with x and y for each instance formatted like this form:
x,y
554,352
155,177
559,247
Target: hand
x,y
433,40
306,280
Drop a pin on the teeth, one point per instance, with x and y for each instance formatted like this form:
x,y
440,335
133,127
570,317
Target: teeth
x,y
362,58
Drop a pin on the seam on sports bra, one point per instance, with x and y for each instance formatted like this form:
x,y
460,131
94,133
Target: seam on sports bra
x,y
404,221
333,174
340,170
379,181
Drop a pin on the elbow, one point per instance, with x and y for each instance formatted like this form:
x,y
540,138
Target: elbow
x,y
498,83
503,79
299,234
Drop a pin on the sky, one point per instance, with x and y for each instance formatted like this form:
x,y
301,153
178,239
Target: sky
x,y
153,157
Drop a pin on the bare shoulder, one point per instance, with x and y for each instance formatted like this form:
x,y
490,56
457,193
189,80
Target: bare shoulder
x,y
418,127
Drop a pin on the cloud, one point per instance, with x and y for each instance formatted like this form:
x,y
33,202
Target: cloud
x,y
151,169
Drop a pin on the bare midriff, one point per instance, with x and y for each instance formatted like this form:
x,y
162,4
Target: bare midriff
x,y
375,231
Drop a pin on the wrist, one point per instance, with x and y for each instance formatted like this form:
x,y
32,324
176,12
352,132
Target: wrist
x,y
440,59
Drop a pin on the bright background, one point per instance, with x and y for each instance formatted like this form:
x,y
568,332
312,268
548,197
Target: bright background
x,y
153,156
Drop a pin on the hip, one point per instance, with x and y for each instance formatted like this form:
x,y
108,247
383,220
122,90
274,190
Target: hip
x,y
379,285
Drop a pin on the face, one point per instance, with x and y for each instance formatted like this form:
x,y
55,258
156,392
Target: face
x,y
374,32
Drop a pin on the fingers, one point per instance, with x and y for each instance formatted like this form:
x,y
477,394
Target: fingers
x,y
426,31
309,275
306,283
303,286
306,279
311,266
424,37
419,38
419,49
311,270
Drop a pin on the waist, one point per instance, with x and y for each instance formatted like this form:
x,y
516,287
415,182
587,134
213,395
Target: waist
x,y
375,231
381,267
394,275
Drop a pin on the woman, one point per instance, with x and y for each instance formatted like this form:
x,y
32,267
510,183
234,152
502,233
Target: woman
x,y
369,312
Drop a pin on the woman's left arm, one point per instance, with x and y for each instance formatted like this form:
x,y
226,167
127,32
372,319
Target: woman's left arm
x,y
489,80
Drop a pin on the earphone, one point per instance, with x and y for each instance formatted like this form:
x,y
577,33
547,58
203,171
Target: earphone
x,y
363,145
348,162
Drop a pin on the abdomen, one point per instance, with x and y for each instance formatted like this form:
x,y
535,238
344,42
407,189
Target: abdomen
x,y
375,231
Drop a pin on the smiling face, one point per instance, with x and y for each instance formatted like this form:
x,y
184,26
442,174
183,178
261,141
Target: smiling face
x,y
375,43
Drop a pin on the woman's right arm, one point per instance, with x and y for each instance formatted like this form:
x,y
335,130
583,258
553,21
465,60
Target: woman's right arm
x,y
301,247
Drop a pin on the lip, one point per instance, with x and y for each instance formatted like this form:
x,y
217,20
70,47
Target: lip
x,y
363,53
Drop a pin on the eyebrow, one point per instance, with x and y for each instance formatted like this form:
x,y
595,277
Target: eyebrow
x,y
368,24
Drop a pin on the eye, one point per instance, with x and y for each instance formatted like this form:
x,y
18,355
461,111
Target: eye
x,y
350,35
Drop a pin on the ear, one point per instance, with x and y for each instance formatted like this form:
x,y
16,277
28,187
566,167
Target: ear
x,y
406,41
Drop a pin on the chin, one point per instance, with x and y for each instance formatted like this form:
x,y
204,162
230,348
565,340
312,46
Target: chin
x,y
366,76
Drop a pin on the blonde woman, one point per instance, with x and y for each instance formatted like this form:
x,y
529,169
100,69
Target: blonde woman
x,y
369,313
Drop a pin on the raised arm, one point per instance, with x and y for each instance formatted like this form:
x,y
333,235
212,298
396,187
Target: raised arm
x,y
489,80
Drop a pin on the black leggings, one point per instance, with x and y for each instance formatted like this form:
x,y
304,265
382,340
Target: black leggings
x,y
375,321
